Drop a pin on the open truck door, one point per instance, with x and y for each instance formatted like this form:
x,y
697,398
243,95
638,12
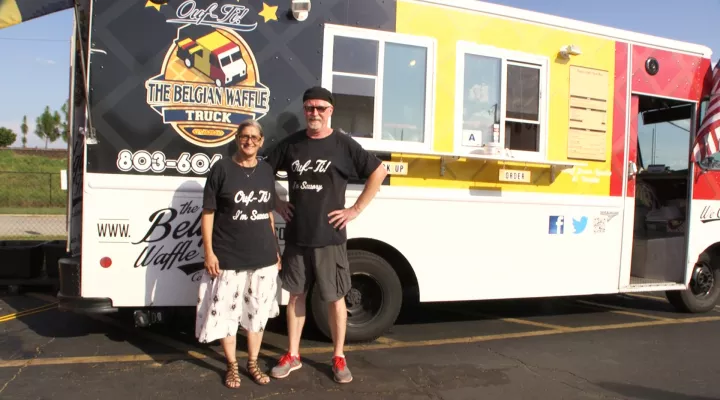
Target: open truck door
x,y
14,12
667,242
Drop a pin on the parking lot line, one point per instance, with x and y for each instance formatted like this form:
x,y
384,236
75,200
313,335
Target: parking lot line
x,y
533,323
511,320
350,348
385,340
189,352
45,307
622,310
95,360
661,299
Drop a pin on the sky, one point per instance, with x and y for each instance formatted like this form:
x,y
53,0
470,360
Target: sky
x,y
36,54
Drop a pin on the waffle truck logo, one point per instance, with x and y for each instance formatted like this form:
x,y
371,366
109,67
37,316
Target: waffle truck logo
x,y
209,81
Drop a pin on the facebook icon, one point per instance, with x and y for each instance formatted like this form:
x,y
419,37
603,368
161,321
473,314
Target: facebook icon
x,y
557,225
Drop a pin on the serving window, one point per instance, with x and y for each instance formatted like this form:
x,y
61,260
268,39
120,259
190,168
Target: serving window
x,y
383,87
500,104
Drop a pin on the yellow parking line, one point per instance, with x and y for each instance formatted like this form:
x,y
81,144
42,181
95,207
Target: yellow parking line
x,y
45,307
385,340
94,360
512,320
538,324
622,310
352,348
187,351
656,298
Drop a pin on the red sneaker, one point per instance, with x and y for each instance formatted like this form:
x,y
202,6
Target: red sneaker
x,y
285,366
341,371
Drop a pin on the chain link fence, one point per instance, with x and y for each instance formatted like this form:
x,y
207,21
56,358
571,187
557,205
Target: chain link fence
x,y
32,206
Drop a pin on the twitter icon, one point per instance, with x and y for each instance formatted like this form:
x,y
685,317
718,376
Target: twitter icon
x,y
579,224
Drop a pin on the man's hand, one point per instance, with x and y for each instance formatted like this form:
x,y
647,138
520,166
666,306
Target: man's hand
x,y
212,265
284,208
340,218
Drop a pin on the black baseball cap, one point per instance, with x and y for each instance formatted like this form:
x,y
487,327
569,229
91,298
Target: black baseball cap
x,y
318,93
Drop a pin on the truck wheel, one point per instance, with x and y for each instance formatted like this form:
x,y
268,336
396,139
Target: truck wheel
x,y
373,303
703,292
188,62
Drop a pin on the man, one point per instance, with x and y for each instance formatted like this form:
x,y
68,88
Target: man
x,y
319,161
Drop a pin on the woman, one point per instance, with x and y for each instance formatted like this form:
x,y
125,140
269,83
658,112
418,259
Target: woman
x,y
240,284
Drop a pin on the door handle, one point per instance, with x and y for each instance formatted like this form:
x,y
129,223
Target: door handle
x,y
632,169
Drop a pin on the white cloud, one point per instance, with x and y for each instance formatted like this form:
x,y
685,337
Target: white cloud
x,y
44,61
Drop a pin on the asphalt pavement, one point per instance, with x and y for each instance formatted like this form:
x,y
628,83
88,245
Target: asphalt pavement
x,y
598,347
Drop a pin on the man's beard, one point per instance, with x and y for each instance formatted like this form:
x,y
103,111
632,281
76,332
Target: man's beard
x,y
315,124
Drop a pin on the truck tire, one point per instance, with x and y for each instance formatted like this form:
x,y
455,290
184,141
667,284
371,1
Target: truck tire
x,y
703,292
373,303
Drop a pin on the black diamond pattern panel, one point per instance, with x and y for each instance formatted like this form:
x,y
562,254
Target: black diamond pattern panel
x,y
130,42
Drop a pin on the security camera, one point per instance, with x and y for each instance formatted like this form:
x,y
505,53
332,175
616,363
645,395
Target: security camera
x,y
300,9
570,50
573,50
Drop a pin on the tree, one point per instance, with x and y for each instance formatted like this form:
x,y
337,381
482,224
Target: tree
x,y
7,137
48,126
64,125
24,130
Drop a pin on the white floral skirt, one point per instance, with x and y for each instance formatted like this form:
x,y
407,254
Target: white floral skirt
x,y
236,298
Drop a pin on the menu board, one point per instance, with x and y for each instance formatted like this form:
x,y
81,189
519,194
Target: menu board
x,y
587,134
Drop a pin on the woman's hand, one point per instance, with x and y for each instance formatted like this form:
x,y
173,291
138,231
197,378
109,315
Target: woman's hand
x,y
212,265
279,261
284,208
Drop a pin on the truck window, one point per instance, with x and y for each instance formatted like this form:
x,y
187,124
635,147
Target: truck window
x,y
402,89
664,140
502,98
382,87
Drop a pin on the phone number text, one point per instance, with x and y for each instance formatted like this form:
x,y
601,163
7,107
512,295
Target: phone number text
x,y
144,161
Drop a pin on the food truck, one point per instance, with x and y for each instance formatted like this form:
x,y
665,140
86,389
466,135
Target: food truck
x,y
213,54
528,155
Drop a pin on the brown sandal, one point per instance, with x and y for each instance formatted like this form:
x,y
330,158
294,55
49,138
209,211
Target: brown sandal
x,y
232,376
258,376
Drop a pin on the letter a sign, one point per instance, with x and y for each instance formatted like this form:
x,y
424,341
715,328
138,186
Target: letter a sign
x,y
472,138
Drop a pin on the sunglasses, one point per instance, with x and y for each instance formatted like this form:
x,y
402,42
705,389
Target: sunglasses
x,y
320,109
246,138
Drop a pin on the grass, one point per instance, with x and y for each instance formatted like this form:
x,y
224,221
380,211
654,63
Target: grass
x,y
32,210
13,162
31,184
33,237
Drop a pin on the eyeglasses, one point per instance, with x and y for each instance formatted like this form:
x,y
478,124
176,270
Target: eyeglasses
x,y
246,138
320,109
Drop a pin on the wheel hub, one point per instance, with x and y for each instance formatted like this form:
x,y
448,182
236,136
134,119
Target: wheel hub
x,y
702,281
364,300
354,297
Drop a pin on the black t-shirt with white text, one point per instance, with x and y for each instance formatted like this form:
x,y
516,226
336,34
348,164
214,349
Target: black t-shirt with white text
x,y
318,172
243,200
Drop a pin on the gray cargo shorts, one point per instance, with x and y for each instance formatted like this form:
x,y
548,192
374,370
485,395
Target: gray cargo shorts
x,y
327,266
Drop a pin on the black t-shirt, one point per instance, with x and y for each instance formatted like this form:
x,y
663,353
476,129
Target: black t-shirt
x,y
243,200
318,171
